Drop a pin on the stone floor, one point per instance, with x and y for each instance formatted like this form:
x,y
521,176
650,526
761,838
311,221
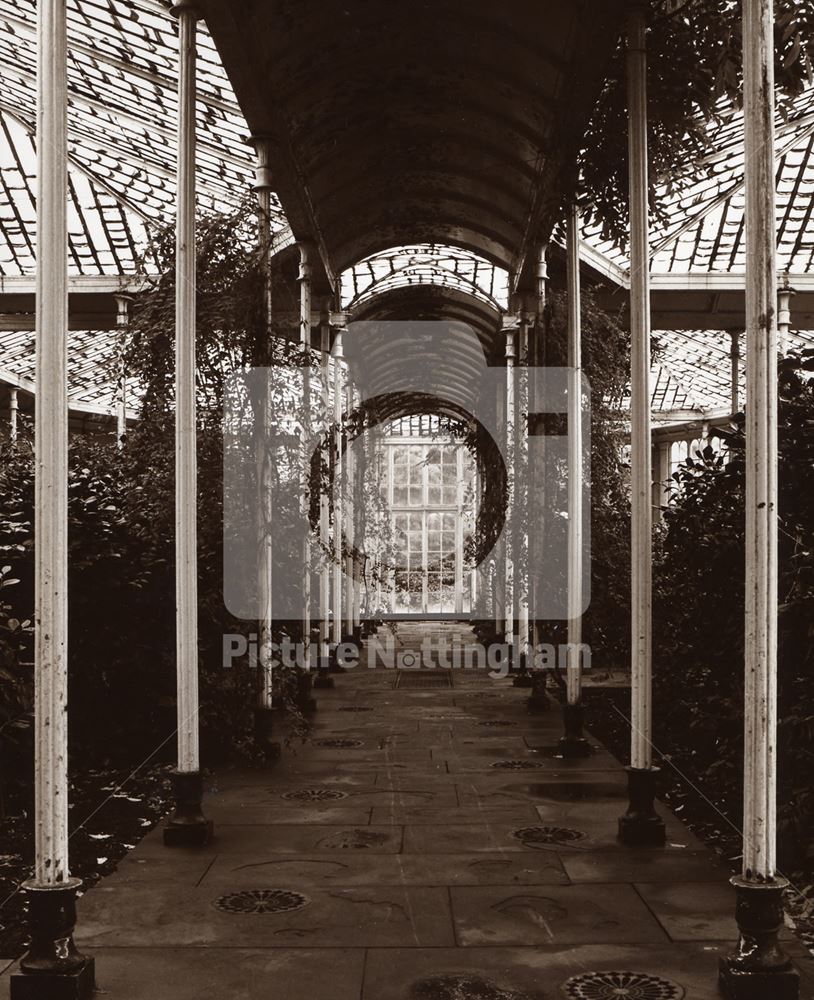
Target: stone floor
x,y
426,844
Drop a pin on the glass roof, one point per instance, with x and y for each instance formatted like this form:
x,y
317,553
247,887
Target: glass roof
x,y
426,264
704,229
122,92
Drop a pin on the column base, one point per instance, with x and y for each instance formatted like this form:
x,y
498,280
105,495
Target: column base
x,y
264,732
522,679
538,700
758,968
188,827
573,744
323,680
53,968
304,701
78,985
641,826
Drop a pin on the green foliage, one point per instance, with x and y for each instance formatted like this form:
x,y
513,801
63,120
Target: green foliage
x,y
698,614
694,78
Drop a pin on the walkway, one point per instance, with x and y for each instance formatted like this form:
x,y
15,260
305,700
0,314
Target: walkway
x,y
427,845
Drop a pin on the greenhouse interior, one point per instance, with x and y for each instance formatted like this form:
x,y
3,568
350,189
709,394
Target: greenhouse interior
x,y
393,398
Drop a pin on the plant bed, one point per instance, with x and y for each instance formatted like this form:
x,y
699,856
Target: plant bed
x,y
708,806
109,813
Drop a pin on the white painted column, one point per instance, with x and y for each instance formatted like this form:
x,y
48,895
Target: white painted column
x,y
509,528
13,409
784,295
459,531
338,511
305,437
640,432
186,491
350,515
264,457
122,316
661,483
734,370
324,499
760,681
536,486
521,490
51,455
575,468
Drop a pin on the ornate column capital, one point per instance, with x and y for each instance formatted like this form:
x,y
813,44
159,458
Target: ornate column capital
x,y
262,168
186,7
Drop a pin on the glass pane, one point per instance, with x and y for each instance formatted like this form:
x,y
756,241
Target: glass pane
x,y
416,498
416,522
434,494
400,495
434,521
450,494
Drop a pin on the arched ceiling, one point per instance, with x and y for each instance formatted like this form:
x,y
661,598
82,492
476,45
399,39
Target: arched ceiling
x,y
433,121
422,342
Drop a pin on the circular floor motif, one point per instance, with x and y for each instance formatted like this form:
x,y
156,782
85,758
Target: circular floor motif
x,y
517,765
615,985
314,795
339,744
261,901
460,988
531,835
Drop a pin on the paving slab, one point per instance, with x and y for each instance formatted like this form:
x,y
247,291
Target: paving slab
x,y
694,911
648,866
407,867
540,972
284,839
387,870
596,914
167,916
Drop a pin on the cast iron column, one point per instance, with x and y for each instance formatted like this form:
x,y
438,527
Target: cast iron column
x,y
52,967
305,446
188,824
758,967
323,678
641,824
264,711
339,322
573,743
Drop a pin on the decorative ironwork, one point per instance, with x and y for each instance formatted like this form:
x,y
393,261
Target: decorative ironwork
x,y
534,835
261,901
516,765
613,985
314,795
